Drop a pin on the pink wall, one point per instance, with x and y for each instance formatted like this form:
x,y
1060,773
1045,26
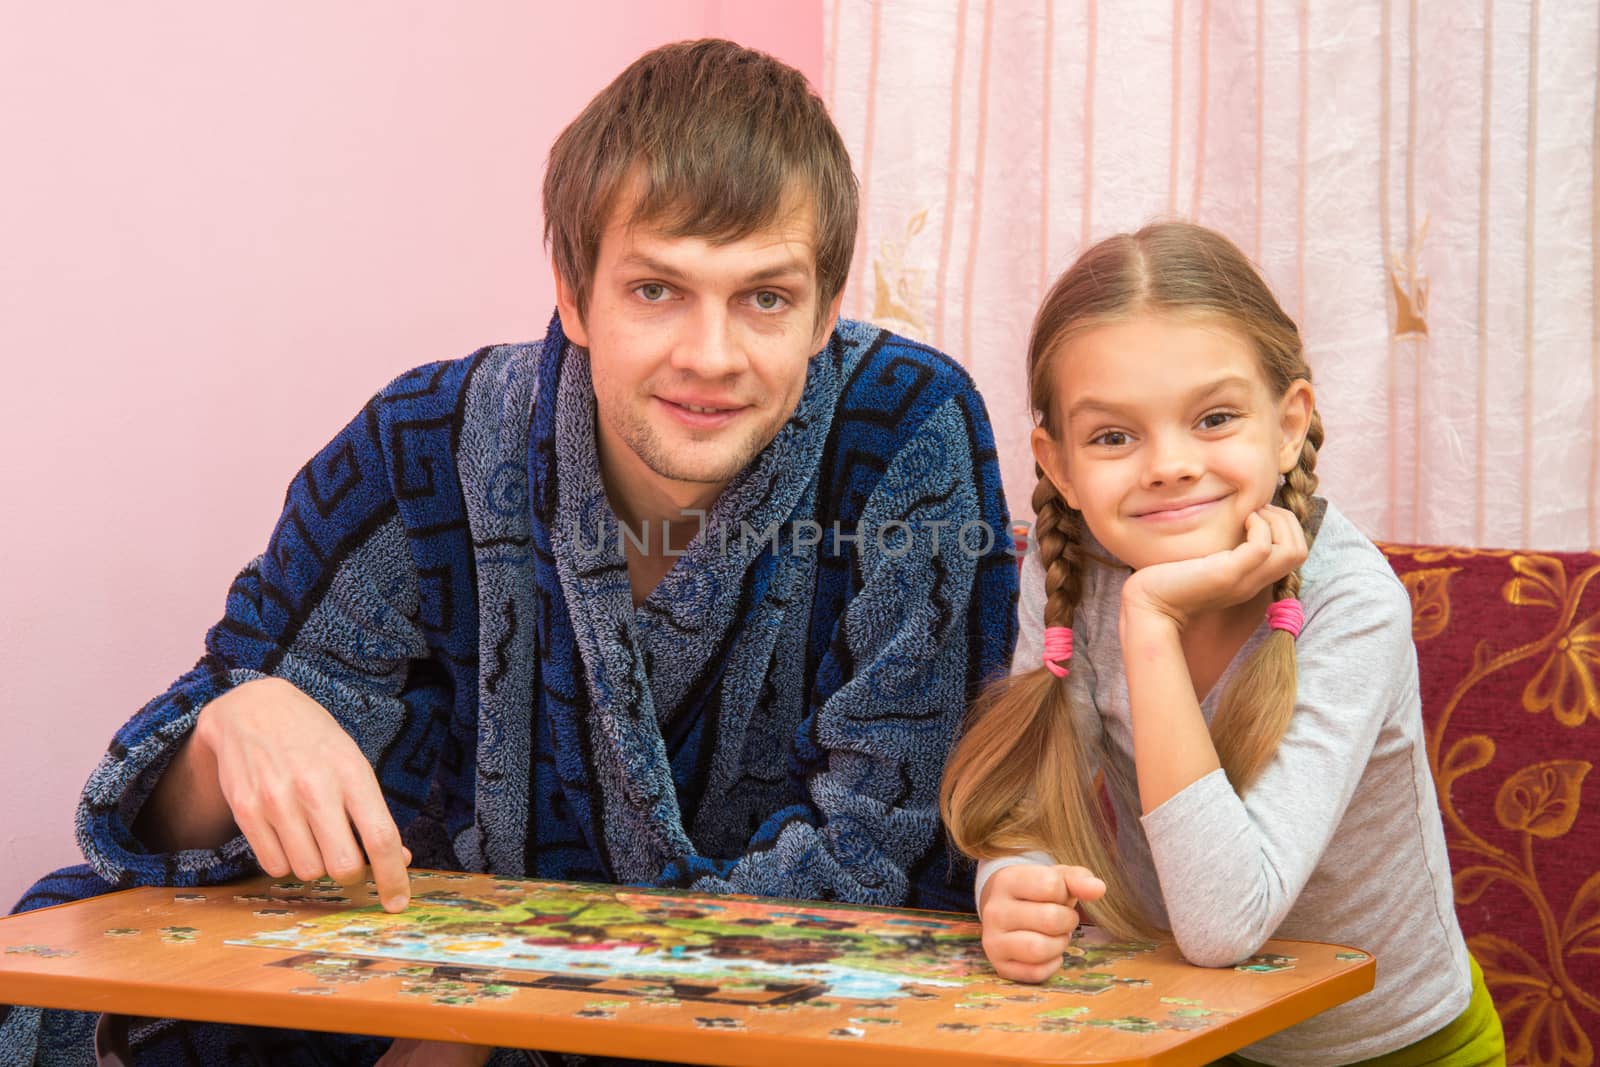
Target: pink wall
x,y
221,229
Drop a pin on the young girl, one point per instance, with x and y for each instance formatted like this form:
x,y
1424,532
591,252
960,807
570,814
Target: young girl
x,y
1228,651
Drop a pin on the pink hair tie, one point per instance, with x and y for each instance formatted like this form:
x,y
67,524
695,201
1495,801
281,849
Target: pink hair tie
x,y
1057,649
1286,615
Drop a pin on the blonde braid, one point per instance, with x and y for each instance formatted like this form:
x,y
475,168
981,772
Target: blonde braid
x,y
1299,486
1059,533
1253,714
1020,778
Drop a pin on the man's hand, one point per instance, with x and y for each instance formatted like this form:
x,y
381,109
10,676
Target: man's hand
x,y
1274,545
409,1052
1029,913
296,784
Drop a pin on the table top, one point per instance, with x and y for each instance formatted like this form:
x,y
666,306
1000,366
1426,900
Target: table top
x,y
612,970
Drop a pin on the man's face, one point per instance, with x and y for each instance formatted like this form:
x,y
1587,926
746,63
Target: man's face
x,y
698,350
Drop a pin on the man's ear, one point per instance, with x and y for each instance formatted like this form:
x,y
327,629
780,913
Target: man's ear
x,y
567,304
830,320
1048,457
1294,422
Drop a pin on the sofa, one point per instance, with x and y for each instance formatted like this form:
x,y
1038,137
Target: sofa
x,y
1508,647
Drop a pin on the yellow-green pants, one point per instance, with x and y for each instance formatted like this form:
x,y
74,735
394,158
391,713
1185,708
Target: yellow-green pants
x,y
1473,1039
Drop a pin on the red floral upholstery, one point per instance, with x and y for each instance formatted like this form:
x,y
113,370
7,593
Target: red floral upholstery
x,y
1509,649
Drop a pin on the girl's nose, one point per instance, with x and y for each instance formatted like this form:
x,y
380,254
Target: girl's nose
x,y
1171,461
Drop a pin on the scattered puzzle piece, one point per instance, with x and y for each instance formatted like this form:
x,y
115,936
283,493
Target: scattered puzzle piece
x,y
1057,1026
1061,1013
42,951
301,898
1128,1024
720,1022
1265,963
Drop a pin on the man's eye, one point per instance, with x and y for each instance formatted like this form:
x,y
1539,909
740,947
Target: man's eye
x,y
767,300
652,291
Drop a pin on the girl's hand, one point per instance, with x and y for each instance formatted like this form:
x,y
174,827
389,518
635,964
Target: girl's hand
x,y
1029,913
1274,545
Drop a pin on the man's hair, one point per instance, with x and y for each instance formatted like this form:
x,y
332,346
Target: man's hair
x,y
717,139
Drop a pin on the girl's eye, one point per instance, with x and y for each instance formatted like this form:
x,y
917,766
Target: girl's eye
x,y
767,300
653,292
1109,438
1216,420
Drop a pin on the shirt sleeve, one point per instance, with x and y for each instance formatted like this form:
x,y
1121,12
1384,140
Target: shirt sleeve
x,y
331,607
924,627
1231,869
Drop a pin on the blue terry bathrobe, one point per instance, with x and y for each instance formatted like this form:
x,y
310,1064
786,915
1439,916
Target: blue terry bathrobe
x,y
447,579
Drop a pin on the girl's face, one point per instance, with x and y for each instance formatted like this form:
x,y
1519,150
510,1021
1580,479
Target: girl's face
x,y
1168,435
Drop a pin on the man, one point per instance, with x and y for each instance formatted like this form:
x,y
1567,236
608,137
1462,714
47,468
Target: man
x,y
693,593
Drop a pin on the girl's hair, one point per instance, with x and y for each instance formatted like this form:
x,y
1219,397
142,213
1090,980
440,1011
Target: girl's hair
x,y
1020,777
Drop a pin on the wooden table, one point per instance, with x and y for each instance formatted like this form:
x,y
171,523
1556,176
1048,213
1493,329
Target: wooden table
x,y
661,975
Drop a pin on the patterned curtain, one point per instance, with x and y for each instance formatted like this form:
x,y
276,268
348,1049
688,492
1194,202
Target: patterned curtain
x,y
1416,181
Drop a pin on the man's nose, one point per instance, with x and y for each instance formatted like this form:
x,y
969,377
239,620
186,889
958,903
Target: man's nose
x,y
710,346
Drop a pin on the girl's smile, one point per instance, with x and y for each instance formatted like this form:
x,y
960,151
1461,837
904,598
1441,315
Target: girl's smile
x,y
1177,511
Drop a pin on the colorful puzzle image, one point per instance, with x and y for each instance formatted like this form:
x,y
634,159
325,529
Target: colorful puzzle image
x,y
607,939
655,973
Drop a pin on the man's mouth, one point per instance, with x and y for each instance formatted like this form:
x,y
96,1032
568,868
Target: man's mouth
x,y
703,413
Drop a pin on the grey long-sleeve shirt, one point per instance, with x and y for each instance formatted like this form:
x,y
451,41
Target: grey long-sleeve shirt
x,y
1339,839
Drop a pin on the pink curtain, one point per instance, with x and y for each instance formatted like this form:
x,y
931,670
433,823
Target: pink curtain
x,y
1416,181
